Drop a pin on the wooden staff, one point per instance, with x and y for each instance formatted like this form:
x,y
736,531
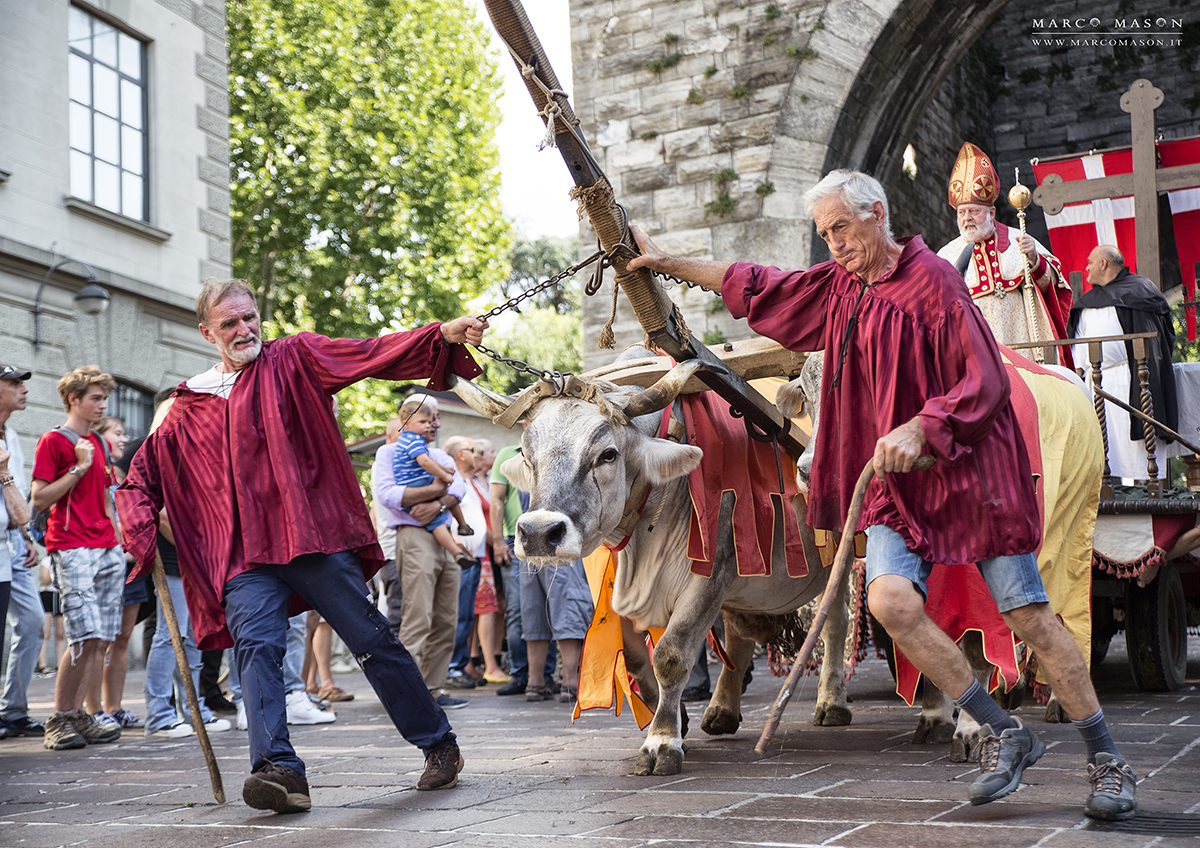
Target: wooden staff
x,y
837,574
185,671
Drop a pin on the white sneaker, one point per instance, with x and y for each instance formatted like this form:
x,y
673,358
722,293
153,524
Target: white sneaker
x,y
217,725
178,730
301,710
242,724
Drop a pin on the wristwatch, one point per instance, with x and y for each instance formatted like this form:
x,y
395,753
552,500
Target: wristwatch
x,y
76,470
441,509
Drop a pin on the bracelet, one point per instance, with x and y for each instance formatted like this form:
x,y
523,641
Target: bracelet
x,y
7,481
441,509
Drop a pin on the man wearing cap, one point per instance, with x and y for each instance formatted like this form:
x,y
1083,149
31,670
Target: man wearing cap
x,y
25,615
991,259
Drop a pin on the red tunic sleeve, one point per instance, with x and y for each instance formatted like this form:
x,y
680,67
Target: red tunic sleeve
x,y
408,355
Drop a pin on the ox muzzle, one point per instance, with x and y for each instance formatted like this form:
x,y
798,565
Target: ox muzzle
x,y
543,534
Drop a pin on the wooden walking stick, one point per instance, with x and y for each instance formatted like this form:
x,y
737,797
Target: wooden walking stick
x,y
841,562
185,671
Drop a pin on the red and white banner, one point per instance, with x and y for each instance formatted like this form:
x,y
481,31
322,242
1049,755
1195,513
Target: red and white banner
x,y
1082,226
1185,218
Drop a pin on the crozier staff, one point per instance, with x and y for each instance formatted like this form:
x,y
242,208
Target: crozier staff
x,y
268,516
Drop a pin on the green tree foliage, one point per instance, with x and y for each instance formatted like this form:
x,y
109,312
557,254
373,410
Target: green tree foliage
x,y
364,175
547,333
540,336
536,260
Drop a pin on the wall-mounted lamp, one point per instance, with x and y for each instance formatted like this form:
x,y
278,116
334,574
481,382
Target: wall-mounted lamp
x,y
92,298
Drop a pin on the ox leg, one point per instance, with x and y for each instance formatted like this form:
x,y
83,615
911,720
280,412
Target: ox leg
x,y
936,724
831,709
964,747
698,605
724,713
1055,714
637,661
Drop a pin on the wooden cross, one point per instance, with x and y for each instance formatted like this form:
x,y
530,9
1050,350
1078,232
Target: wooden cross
x,y
1144,183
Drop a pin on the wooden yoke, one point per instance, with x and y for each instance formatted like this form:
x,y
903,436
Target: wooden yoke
x,y
655,311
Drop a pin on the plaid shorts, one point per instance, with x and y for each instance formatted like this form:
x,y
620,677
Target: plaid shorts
x,y
90,583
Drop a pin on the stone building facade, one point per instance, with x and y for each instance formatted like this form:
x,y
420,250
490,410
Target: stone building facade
x,y
711,117
114,154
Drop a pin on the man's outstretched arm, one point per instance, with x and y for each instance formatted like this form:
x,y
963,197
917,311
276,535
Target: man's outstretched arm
x,y
706,273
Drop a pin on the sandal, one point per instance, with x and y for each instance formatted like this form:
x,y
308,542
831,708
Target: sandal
x,y
335,693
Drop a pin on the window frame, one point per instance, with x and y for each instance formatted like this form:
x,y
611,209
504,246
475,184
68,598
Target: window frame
x,y
95,18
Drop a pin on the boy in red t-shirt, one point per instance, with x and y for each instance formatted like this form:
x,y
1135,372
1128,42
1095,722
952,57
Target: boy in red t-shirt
x,y
71,479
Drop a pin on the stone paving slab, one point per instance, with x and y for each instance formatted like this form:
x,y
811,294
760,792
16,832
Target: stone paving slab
x,y
533,778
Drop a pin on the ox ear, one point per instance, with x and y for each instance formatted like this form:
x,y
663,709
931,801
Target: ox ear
x,y
663,460
518,472
790,399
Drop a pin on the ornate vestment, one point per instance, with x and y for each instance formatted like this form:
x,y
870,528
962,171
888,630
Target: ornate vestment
x,y
996,264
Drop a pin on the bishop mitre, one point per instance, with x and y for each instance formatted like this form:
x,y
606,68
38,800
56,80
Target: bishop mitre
x,y
990,256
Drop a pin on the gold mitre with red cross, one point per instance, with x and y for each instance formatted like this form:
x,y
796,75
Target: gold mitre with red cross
x,y
974,178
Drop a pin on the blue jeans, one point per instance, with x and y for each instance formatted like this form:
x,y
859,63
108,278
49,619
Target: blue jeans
x,y
256,604
466,617
162,669
25,620
510,575
1013,581
293,655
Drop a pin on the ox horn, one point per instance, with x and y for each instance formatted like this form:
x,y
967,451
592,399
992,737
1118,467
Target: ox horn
x,y
664,392
487,403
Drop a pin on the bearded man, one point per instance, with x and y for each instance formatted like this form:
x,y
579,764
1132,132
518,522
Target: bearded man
x,y
991,257
268,519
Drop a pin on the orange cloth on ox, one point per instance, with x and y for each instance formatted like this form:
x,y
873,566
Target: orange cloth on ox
x,y
604,682
735,462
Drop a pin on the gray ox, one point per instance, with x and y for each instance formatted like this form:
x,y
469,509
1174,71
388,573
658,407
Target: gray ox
x,y
580,459
1082,439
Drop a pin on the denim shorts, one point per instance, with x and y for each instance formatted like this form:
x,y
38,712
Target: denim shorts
x,y
556,602
1014,581
90,583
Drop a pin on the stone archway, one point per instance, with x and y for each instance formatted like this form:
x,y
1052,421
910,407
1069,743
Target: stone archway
x,y
711,117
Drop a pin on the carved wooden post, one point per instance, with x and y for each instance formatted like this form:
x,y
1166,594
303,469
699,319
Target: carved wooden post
x,y
1096,356
1139,354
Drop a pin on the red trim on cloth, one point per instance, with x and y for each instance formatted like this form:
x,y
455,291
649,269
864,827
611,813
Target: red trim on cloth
x,y
1167,530
959,600
735,462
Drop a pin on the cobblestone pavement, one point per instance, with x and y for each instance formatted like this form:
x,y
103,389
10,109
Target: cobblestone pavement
x,y
533,778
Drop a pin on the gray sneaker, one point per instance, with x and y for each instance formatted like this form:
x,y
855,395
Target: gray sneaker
x,y
60,733
1114,789
1002,760
93,731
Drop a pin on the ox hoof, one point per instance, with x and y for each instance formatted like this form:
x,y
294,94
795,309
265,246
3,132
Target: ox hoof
x,y
1055,713
719,720
933,732
663,761
831,715
964,750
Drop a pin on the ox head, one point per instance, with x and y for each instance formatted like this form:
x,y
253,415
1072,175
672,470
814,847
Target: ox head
x,y
798,396
579,458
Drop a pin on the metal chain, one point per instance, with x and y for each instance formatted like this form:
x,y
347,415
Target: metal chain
x,y
514,302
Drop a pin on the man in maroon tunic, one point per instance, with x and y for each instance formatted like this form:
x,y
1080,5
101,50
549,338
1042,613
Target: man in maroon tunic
x,y
911,367
268,519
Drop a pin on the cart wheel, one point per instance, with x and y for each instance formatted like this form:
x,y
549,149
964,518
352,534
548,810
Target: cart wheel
x,y
1156,632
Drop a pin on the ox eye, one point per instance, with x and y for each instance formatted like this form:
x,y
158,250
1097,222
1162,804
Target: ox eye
x,y
609,456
